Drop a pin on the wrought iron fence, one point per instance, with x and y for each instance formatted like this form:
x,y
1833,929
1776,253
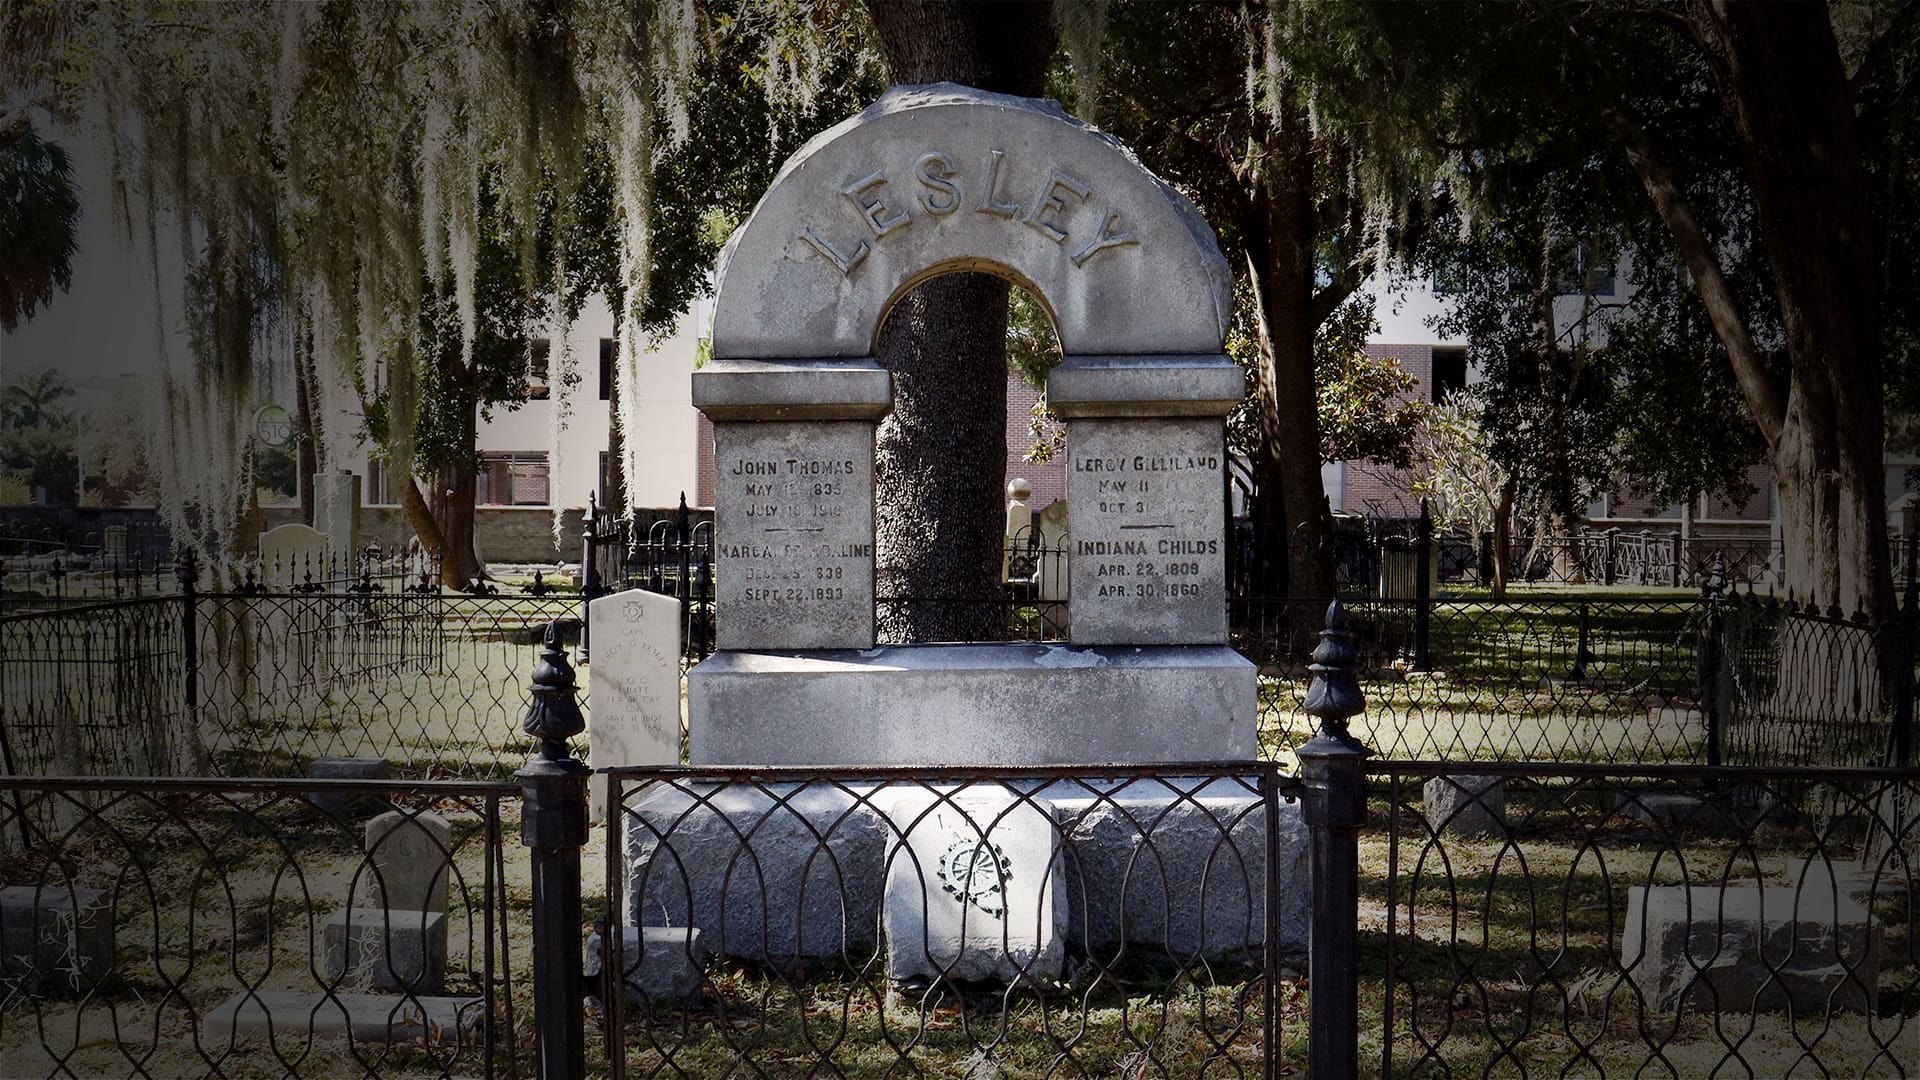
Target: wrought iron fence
x,y
669,556
952,922
1604,558
274,680
1797,685
250,927
260,684
96,688
1481,917
1571,679
62,577
1551,920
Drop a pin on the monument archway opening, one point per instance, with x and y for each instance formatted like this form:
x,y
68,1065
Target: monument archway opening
x,y
966,385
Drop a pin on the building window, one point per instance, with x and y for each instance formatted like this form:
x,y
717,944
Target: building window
x,y
379,489
1449,372
538,388
1586,277
607,352
515,479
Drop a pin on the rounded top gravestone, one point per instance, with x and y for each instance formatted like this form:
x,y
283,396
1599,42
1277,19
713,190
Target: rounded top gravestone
x,y
937,179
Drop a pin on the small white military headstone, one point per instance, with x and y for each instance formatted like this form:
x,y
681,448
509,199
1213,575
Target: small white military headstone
x,y
975,890
409,859
633,684
336,511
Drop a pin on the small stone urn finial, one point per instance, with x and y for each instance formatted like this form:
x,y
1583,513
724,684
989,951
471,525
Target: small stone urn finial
x,y
554,717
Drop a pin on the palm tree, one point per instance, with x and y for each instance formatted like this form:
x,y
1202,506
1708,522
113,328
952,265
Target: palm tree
x,y
29,401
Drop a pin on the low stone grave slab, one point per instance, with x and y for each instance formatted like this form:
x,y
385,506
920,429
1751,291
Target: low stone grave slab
x,y
1469,805
348,804
764,880
376,1018
386,949
1176,867
1749,948
55,938
1664,808
975,888
1847,877
664,964
409,858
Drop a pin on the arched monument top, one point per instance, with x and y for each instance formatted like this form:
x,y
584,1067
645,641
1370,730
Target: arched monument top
x,y
942,178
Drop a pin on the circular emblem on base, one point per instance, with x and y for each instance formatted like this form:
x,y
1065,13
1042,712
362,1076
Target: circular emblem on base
x,y
976,872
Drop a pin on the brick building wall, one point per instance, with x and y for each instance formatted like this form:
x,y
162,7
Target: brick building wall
x,y
1366,488
1049,479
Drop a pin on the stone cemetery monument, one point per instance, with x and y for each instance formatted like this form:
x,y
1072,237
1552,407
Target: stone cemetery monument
x,y
55,938
930,180
1750,948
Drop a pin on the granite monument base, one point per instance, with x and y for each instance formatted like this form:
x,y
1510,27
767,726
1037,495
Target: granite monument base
x,y
1002,704
1171,867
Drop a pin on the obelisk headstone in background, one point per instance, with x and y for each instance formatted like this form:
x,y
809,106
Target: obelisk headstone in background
x,y
336,513
633,684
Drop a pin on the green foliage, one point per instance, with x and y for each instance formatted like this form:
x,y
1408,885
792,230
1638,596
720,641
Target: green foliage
x,y
39,214
276,469
37,436
1586,393
1458,477
1366,404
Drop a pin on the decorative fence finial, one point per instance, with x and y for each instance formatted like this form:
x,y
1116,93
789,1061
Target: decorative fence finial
x,y
1715,582
554,717
1334,696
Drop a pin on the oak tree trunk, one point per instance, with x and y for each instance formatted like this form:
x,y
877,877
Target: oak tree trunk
x,y
1279,232
1780,78
1784,87
940,454
452,502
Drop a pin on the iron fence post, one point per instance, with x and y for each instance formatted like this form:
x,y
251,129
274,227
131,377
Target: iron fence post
x,y
187,571
1423,588
1913,576
553,825
1486,557
1609,552
1679,556
1334,806
1712,633
1906,628
587,574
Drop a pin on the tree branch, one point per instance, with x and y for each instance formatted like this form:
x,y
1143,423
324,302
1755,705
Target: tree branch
x,y
1881,49
1696,251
